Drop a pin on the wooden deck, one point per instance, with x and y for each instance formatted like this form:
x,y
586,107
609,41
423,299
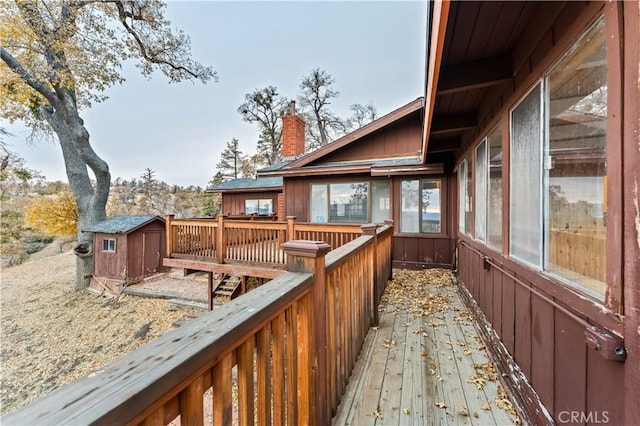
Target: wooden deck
x,y
424,363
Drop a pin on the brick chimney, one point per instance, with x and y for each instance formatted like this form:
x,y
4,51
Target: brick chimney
x,y
292,133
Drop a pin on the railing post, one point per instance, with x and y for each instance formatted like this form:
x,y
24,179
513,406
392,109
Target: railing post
x,y
167,223
390,223
372,229
309,256
221,240
291,228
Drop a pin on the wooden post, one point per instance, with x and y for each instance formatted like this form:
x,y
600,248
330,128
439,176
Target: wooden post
x,y
210,291
168,218
391,224
291,228
221,240
372,229
309,256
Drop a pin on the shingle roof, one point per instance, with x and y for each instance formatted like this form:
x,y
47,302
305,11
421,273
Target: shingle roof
x,y
259,183
276,166
121,224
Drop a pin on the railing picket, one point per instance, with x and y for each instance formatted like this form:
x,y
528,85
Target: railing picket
x,y
222,391
191,404
278,360
246,390
292,365
263,365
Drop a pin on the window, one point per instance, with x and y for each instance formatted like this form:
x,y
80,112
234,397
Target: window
x,y
420,206
349,202
576,169
465,180
380,201
108,244
481,191
494,197
558,201
488,187
260,207
526,178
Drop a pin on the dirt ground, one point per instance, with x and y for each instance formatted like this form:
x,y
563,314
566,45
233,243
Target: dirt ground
x,y
51,336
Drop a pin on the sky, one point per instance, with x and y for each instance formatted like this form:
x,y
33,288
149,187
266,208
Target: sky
x,y
373,50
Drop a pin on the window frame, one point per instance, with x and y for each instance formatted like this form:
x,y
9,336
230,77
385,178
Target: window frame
x,y
108,243
258,200
542,264
442,205
369,208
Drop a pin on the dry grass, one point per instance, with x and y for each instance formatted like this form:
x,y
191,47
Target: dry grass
x,y
51,336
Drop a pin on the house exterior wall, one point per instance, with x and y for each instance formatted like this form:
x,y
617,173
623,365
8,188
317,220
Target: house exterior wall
x,y
233,203
542,321
410,250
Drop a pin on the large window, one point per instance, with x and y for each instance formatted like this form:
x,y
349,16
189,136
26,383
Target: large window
x,y
260,207
465,181
481,191
526,178
420,206
488,185
558,200
349,202
494,197
576,170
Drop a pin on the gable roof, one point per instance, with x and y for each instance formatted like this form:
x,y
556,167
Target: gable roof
x,y
259,184
122,224
347,139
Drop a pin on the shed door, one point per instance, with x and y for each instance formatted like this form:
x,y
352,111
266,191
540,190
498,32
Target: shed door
x,y
151,252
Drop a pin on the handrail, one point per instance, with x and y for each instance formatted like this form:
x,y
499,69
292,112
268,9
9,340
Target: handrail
x,y
293,343
153,376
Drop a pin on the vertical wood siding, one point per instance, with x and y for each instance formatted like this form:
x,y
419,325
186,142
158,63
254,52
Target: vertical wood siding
x,y
548,345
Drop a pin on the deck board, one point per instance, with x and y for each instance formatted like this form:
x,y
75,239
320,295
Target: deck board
x,y
418,366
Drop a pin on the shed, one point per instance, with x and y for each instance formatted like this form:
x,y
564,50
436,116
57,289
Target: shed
x,y
126,248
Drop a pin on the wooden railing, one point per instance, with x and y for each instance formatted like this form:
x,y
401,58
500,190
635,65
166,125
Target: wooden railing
x,y
291,344
224,240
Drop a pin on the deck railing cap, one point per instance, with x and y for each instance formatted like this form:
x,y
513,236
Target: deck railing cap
x,y
306,248
369,228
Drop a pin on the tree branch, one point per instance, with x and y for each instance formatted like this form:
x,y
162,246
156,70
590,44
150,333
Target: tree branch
x,y
123,14
35,84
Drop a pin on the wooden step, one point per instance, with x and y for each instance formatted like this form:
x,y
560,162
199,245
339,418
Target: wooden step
x,y
223,293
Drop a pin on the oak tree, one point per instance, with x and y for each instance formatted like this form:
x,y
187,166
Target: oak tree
x,y
58,56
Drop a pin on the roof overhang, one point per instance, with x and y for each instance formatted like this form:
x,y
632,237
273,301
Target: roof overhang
x,y
245,190
438,29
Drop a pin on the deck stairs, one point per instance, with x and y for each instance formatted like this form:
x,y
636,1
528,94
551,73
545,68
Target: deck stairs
x,y
226,288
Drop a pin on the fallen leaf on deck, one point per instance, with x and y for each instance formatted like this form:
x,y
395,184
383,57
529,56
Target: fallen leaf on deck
x,y
441,405
378,414
406,410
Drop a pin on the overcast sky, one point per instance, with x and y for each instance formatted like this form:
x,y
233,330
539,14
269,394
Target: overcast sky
x,y
373,50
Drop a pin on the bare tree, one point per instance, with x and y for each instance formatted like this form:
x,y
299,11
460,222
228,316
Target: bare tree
x,y
265,107
58,56
361,115
315,96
